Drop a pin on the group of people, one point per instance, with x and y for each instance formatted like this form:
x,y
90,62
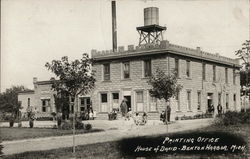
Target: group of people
x,y
219,109
165,115
88,114
127,114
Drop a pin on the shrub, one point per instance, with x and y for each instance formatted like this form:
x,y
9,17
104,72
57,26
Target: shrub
x,y
88,127
176,118
5,116
44,118
66,125
59,122
79,125
1,148
233,118
31,123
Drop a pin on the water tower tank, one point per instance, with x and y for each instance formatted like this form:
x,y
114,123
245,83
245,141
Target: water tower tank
x,y
151,16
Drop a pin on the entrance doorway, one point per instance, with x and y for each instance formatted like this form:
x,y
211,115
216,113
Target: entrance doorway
x,y
128,102
209,102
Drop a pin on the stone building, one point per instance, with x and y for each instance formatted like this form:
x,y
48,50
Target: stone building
x,y
206,78
41,99
123,74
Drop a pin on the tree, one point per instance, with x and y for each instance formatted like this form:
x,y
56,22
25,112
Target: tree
x,y
62,103
164,86
9,99
244,54
244,77
74,78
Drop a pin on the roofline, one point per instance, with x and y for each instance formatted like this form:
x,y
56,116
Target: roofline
x,y
45,82
162,51
27,92
162,48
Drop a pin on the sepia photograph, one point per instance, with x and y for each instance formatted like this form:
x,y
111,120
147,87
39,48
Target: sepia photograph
x,y
125,79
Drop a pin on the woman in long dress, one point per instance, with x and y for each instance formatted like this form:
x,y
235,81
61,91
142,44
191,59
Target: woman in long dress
x,y
124,108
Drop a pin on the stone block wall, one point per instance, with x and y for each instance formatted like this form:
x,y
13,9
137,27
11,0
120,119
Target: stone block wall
x,y
166,62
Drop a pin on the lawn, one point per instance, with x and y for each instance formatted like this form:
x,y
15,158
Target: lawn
x,y
112,150
25,133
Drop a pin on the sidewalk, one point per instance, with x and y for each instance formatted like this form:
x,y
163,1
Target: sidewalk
x,y
125,129
101,124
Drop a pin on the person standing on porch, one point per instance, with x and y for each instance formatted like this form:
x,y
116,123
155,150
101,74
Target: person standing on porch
x,y
219,109
124,108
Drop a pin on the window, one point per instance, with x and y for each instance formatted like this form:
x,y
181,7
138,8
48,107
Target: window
x,y
139,96
82,101
147,68
72,108
177,67
188,69
115,97
106,72
139,100
177,98
28,102
227,101
45,105
219,98
189,100
126,70
85,103
234,101
72,99
199,100
214,73
204,71
152,103
234,76
104,98
226,75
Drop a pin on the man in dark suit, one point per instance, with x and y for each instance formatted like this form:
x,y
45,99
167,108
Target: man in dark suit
x,y
219,108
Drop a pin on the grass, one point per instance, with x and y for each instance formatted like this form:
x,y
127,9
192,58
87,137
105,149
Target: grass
x,y
25,133
112,150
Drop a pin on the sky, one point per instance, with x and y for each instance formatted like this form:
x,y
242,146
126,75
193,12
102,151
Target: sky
x,y
34,32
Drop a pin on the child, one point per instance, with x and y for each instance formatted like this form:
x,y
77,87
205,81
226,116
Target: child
x,y
144,118
94,115
91,115
137,119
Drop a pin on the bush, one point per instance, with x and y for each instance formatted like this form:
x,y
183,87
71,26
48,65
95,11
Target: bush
x,y
66,125
88,127
31,123
1,148
233,118
176,118
44,118
79,125
59,122
5,116
11,123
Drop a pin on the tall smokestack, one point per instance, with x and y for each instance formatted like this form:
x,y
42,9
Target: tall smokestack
x,y
114,30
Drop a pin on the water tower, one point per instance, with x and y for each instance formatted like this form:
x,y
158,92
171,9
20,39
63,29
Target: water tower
x,y
151,32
